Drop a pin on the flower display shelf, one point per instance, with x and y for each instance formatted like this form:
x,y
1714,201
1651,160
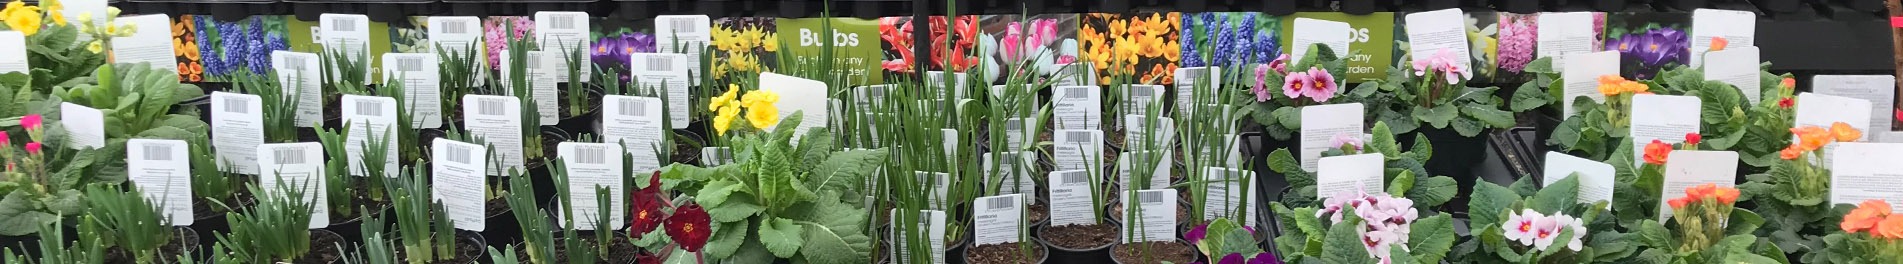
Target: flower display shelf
x,y
377,10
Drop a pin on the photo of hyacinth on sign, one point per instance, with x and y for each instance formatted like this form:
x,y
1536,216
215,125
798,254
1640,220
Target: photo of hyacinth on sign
x,y
498,30
1648,42
225,47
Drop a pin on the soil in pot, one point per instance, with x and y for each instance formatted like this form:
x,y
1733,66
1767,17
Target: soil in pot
x,y
333,110
1079,243
348,227
326,248
543,183
621,250
1007,253
500,227
210,218
686,147
183,239
1153,252
574,122
470,248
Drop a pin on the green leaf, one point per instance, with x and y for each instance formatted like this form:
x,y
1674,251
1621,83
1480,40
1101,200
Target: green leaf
x,y
1743,221
1556,197
1654,234
1488,114
1437,116
1540,65
1401,184
1467,127
1432,237
1489,204
739,206
726,239
844,170
1609,245
1434,191
1528,97
781,236
1343,242
19,216
715,192
1383,140
1288,117
825,246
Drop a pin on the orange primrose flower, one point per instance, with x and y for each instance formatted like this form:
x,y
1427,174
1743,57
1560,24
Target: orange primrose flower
x,y
1656,152
1844,132
1719,43
1726,195
1811,137
1791,153
1677,203
1788,83
1865,216
1891,227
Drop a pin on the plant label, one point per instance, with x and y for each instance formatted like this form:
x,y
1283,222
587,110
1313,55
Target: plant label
x,y
237,127
348,36
590,166
1071,202
1690,168
1821,110
1737,66
12,52
1595,178
1159,171
684,34
454,35
867,96
798,96
1582,71
932,224
1155,220
422,92
1361,173
1878,89
1142,99
950,139
1072,74
1866,171
1137,135
162,169
635,123
1665,118
1187,81
999,219
498,121
716,156
303,72
666,72
940,184
85,126
146,46
565,34
1012,170
456,172
1230,189
1309,31
1561,34
542,84
1078,149
1320,125
1078,107
1015,133
935,83
371,117
1430,33
1737,27
293,167
1207,145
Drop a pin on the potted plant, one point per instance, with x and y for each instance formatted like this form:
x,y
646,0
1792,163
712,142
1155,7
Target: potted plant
x,y
577,104
677,145
1795,192
353,198
543,245
1706,225
133,228
1338,230
1434,93
88,244
536,140
1866,237
279,106
1225,241
1544,96
212,188
47,173
59,57
1519,224
461,73
345,72
1427,192
1310,81
427,233
275,231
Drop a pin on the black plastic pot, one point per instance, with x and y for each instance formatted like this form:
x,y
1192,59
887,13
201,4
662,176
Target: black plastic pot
x,y
351,229
589,119
1454,155
1042,258
1060,254
1547,120
688,139
544,183
501,226
482,245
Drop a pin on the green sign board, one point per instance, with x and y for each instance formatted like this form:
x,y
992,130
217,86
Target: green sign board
x,y
855,51
1371,41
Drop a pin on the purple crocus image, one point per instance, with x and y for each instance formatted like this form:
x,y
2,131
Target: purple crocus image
x,y
611,52
1652,49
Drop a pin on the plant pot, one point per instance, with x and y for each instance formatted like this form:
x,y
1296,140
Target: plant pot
x,y
687,146
349,228
1546,121
1454,156
184,240
471,247
537,169
1162,252
1078,237
989,254
499,226
326,247
589,119
211,221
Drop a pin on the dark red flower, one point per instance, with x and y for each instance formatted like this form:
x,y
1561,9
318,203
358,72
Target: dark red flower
x,y
689,227
1786,103
1691,139
645,257
644,208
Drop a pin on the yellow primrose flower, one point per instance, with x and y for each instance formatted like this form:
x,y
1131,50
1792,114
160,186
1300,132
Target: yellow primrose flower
x,y
723,99
763,117
112,11
25,19
721,124
127,30
95,46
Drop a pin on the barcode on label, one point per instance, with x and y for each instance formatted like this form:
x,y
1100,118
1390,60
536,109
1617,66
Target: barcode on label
x,y
343,24
369,108
409,64
876,92
1006,161
1193,75
1000,202
660,63
458,153
157,152
534,61
1149,197
1143,92
236,105
632,107
295,63
289,155
1076,93
456,27
1078,136
1074,177
561,21
489,106
590,154
682,25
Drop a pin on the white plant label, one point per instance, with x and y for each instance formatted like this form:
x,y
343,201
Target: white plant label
x,y
1582,71
561,33
371,117
1078,107
1823,110
665,72
85,126
456,172
346,35
1070,195
1012,169
1309,31
1073,74
684,34
1737,66
296,166
1127,168
935,83
13,52
1362,173
421,86
304,72
146,46
1429,33
1320,125
1595,178
1666,118
998,219
237,128
1690,168
1141,99
1016,133
940,184
1078,149
635,123
798,96
1866,171
1230,189
932,224
1564,33
1737,27
716,156
455,35
1209,78
1156,216
498,121
162,169
1138,129
1878,89
591,166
